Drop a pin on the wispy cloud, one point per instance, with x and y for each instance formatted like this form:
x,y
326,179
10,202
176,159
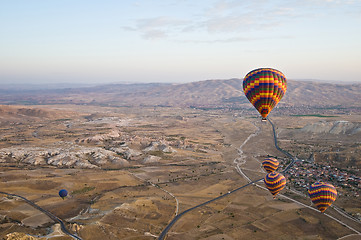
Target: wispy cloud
x,y
154,34
234,39
158,27
224,6
336,1
240,24
159,22
248,16
220,40
232,17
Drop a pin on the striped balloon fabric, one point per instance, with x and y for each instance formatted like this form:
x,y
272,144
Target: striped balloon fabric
x,y
264,88
270,164
322,195
275,182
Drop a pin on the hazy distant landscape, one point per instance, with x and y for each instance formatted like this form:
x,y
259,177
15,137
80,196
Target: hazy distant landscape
x,y
211,94
132,156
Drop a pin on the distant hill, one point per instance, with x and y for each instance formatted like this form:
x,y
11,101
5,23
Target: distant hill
x,y
321,94
30,113
202,94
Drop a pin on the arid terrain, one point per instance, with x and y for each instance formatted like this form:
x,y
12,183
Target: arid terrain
x,y
133,157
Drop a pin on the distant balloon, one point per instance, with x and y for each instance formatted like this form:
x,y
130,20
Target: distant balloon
x,y
270,164
275,182
322,195
63,193
264,88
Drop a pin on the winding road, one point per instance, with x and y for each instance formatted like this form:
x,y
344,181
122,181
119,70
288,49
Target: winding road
x,y
49,214
176,218
293,160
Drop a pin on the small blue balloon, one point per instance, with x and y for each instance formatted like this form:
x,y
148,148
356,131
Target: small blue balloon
x,y
63,193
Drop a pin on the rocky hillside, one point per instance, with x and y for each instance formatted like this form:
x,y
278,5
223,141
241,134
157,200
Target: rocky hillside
x,y
70,155
333,127
65,156
20,112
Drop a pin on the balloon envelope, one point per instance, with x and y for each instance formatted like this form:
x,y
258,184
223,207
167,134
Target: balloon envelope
x,y
63,193
275,182
264,88
270,164
322,195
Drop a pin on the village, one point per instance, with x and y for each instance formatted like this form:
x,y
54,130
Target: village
x,y
306,172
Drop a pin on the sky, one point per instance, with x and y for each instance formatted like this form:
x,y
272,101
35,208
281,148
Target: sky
x,y
109,41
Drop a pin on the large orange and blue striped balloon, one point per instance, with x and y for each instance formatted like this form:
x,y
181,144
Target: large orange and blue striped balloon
x,y
275,182
264,88
322,195
270,164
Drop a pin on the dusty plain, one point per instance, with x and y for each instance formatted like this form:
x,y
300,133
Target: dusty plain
x,y
184,155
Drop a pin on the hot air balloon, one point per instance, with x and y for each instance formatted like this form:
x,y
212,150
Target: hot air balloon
x,y
322,195
264,88
270,164
275,182
63,193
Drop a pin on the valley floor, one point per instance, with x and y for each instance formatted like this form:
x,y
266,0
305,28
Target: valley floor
x,y
130,171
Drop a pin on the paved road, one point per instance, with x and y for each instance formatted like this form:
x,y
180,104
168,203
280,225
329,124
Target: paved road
x,y
280,149
176,218
52,216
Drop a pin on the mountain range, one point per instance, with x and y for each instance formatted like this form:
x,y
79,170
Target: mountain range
x,y
201,94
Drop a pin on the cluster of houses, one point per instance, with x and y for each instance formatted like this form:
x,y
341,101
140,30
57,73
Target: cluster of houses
x,y
305,173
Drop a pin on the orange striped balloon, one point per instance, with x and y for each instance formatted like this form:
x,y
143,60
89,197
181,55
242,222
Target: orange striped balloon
x,y
275,182
270,164
264,88
322,195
